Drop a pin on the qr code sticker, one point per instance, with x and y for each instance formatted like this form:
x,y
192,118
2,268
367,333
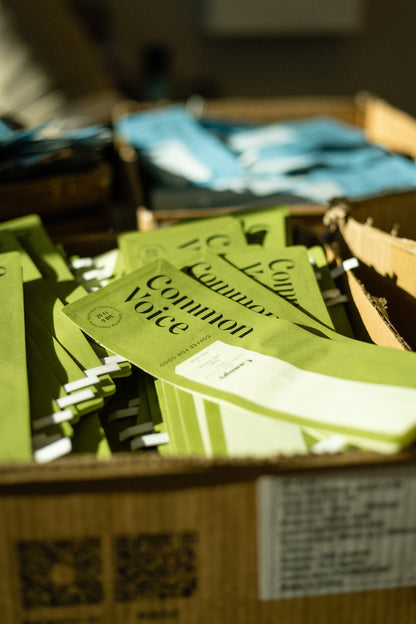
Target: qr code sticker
x,y
155,565
60,573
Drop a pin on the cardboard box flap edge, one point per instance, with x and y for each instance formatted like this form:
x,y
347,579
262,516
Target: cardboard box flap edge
x,y
389,126
389,255
189,471
387,267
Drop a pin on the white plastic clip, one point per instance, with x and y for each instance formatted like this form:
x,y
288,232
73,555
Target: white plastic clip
x,y
134,402
347,265
140,429
53,450
109,359
149,440
78,384
81,263
125,412
330,293
336,300
52,419
42,439
76,397
93,274
104,369
333,444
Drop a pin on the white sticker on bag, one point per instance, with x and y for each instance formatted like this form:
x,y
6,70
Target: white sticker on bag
x,y
305,396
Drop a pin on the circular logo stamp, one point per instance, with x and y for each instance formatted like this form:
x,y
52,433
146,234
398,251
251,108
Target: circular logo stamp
x,y
104,316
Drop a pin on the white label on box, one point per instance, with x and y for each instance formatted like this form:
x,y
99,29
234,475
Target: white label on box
x,y
329,534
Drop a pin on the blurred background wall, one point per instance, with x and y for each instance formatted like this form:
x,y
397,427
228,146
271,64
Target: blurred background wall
x,y
165,47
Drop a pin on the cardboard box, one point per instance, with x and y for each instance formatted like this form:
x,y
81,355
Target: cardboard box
x,y
141,538
73,202
367,229
383,124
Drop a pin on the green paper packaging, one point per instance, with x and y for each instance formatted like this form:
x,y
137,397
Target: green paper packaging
x,y
267,227
35,241
216,234
262,301
57,365
43,404
142,422
95,272
322,442
217,428
53,269
119,267
149,383
121,411
89,437
106,355
186,402
127,414
39,400
237,432
165,426
326,283
172,420
43,302
194,419
86,435
287,272
222,277
175,415
52,430
15,438
33,238
167,324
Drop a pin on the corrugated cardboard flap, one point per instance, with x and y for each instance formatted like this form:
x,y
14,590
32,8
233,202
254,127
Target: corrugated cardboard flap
x,y
126,467
385,294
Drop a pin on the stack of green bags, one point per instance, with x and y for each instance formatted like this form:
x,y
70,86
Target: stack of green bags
x,y
247,345
213,337
55,381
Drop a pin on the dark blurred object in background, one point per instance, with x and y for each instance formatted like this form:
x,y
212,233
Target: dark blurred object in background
x,y
157,78
50,66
